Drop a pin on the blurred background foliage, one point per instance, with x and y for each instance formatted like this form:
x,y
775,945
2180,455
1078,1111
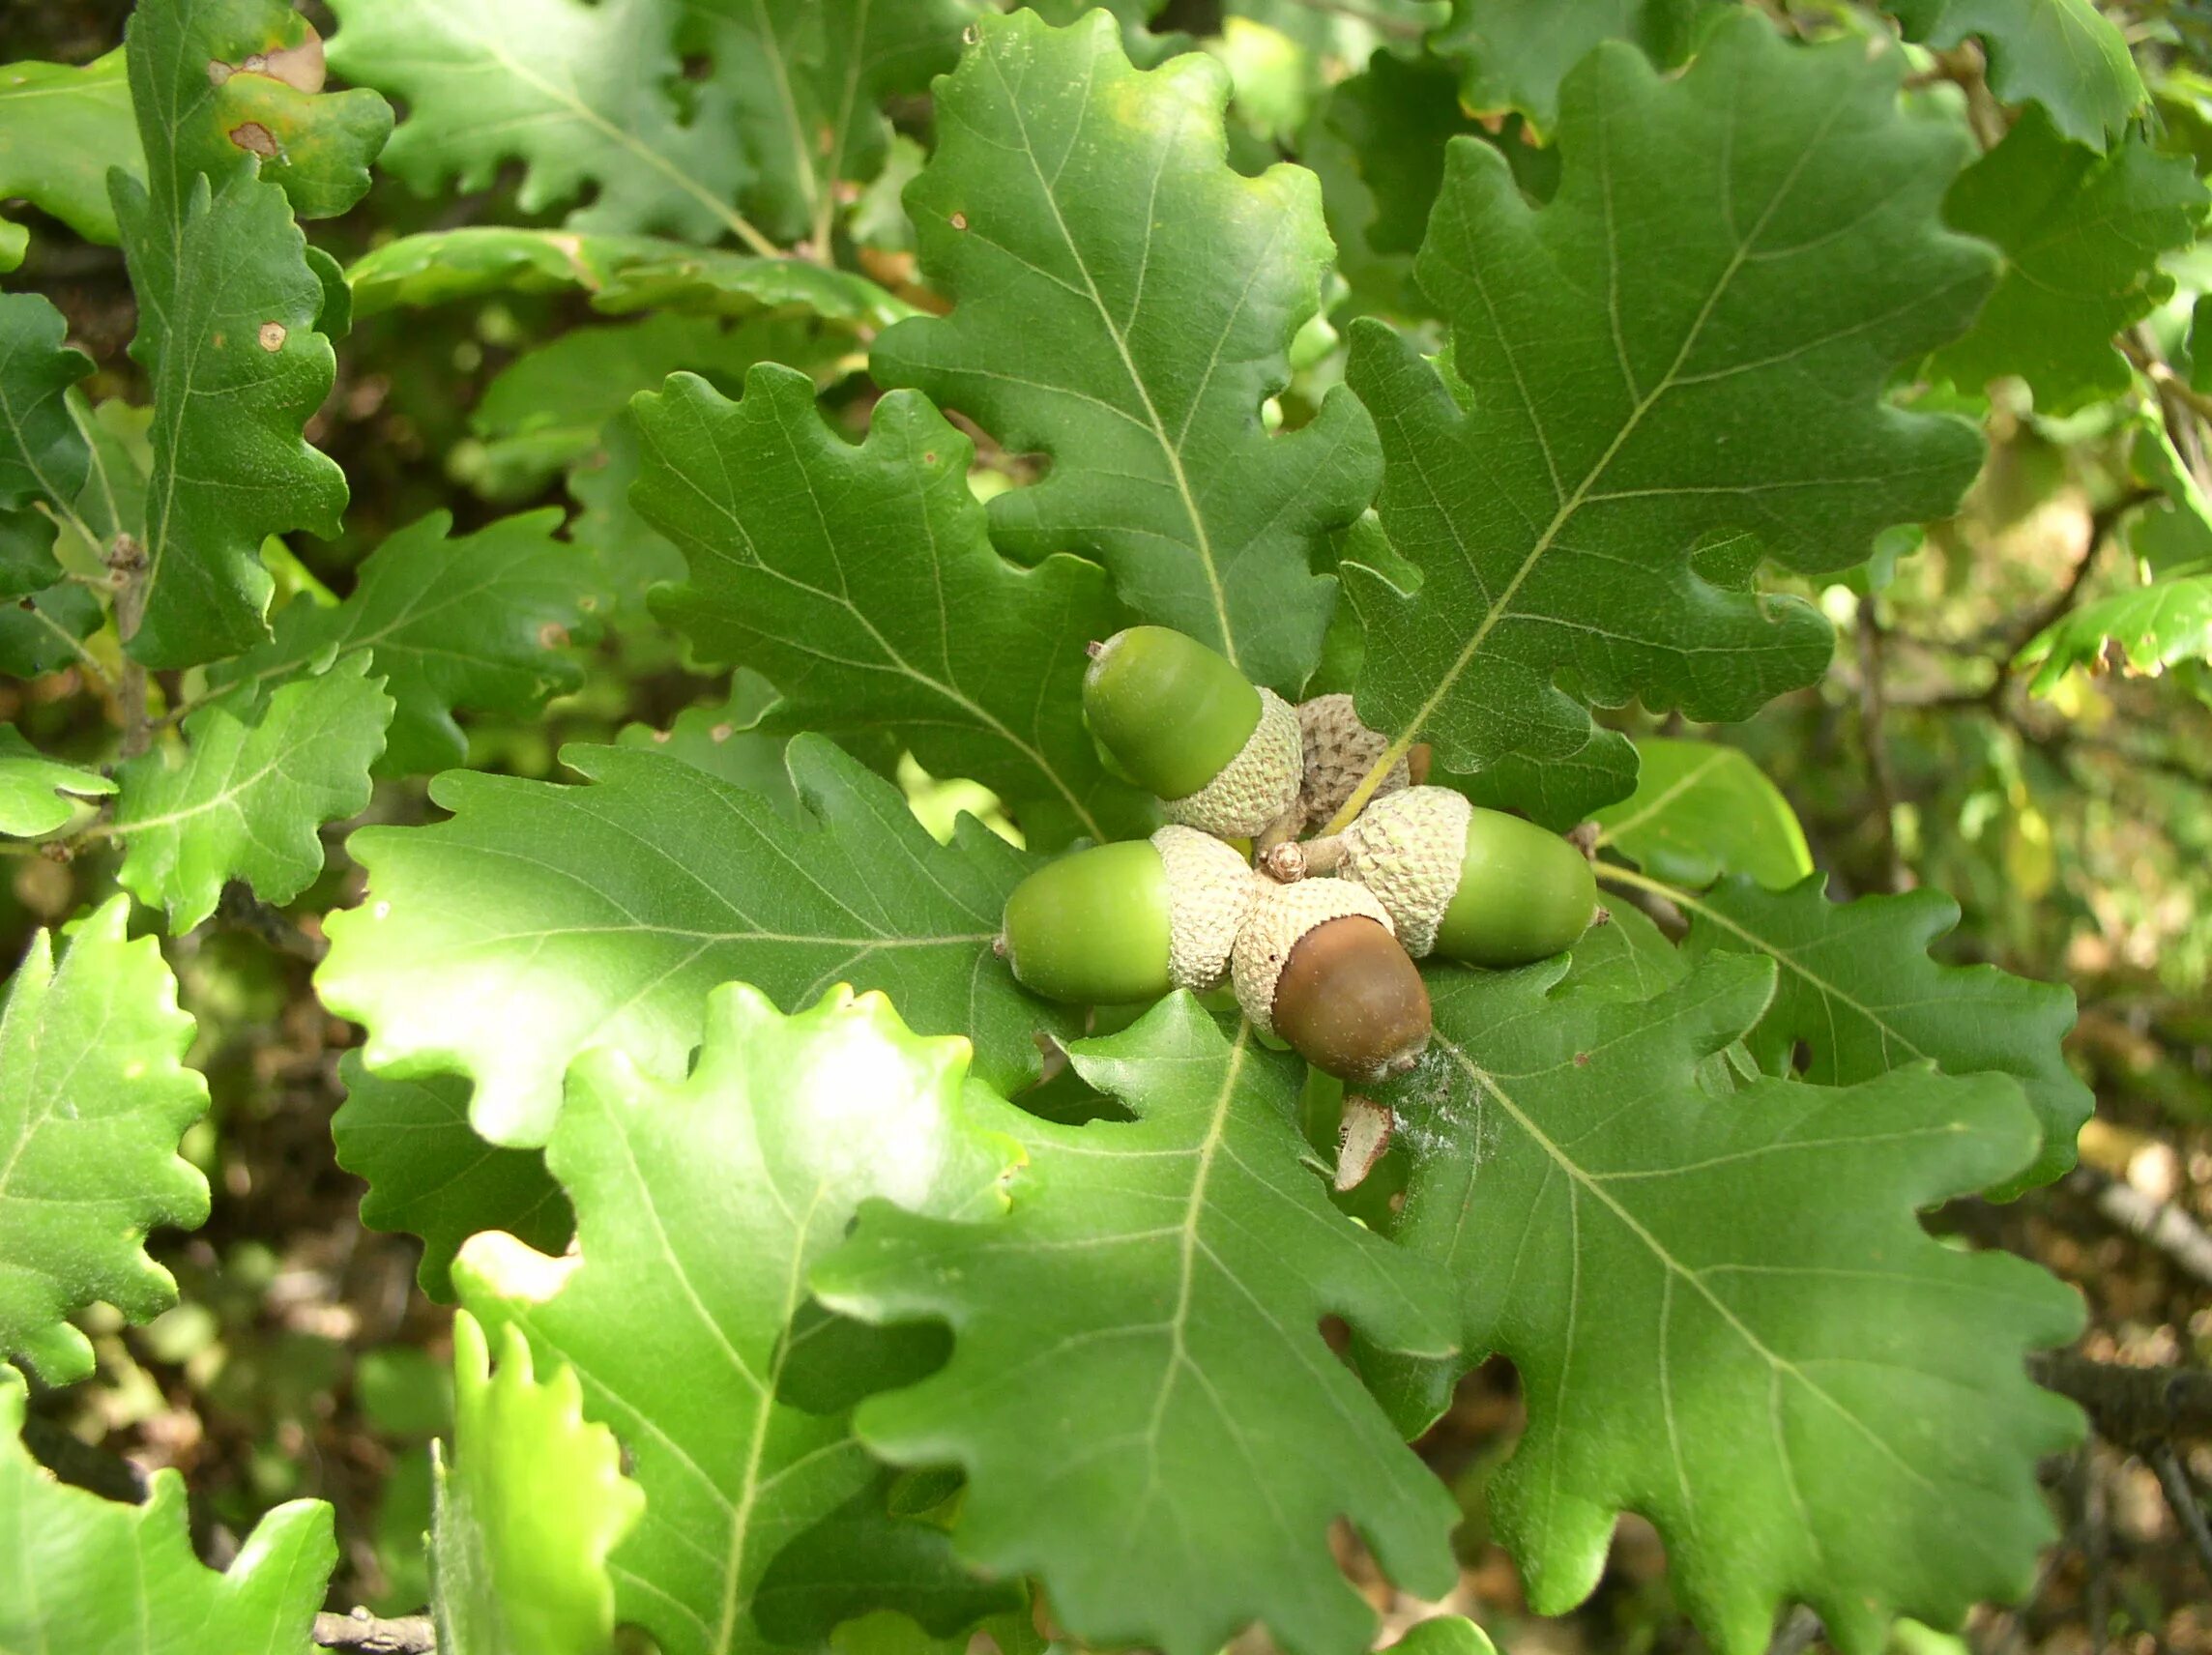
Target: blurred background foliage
x,y
2073,825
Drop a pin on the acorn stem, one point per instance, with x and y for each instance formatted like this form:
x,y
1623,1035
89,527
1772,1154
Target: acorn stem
x,y
1094,649
1285,863
1323,854
1377,773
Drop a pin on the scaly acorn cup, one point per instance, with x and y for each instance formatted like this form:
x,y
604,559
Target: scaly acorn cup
x,y
1129,921
1317,964
1469,884
1177,719
1339,751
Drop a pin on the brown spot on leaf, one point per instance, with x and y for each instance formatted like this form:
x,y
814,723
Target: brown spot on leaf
x,y
272,335
660,736
719,733
298,67
959,220
1582,1059
219,72
553,635
254,136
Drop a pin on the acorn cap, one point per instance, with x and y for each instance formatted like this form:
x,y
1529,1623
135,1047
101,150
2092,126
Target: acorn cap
x,y
1339,752
1350,1002
1279,920
1168,713
1211,891
1407,850
1256,788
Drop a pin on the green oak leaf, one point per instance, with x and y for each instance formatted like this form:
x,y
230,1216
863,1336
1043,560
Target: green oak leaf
x,y
1124,304
1748,249
94,1576
428,1172
804,80
482,622
601,914
1858,991
701,1204
94,1097
618,274
1139,1394
860,580
217,84
529,1501
2082,234
43,456
246,795
1701,810
2154,626
1511,55
226,335
2062,54
583,96
1725,1312
60,128
36,792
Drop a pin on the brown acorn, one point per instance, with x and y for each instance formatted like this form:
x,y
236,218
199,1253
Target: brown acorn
x,y
1319,964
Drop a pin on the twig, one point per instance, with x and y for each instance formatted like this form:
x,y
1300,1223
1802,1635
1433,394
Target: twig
x,y
365,1634
1873,674
2162,1224
2181,1495
2103,523
128,559
2131,1407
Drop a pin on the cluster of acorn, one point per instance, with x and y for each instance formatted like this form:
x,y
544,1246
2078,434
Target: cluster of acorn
x,y
1324,963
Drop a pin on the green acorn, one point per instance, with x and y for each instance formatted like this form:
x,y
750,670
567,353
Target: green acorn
x,y
1317,964
1177,719
1129,921
1465,882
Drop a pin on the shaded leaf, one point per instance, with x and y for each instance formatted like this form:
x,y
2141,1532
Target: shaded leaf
x,y
481,623
702,1205
1747,249
1725,1312
36,792
94,1097
862,582
2060,53
2082,235
1139,1394
529,1501
1397,116
726,740
1511,55
43,457
246,794
40,633
83,1574
428,1172
619,274
1702,810
601,914
547,410
806,80
60,128
1124,304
